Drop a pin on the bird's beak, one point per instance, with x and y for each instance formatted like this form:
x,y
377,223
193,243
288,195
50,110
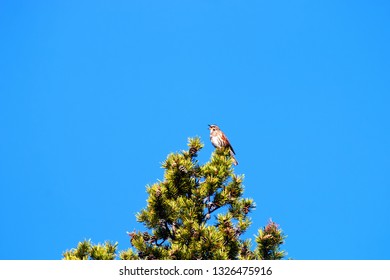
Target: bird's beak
x,y
209,125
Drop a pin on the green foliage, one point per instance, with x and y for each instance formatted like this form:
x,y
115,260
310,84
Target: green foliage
x,y
87,251
128,255
268,241
196,212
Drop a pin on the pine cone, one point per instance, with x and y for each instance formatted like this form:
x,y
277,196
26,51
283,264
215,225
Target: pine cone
x,y
193,151
132,235
146,236
158,191
153,239
183,169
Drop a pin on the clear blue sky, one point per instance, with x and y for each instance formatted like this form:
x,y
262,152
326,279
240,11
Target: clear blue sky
x,y
95,94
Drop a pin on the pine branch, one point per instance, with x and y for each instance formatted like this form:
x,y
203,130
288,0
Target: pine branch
x,y
178,209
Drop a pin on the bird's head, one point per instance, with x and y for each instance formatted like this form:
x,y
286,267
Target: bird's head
x,y
213,127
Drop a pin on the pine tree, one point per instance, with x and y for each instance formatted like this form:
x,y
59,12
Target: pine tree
x,y
196,212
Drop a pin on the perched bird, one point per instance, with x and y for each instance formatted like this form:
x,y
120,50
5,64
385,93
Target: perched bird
x,y
219,140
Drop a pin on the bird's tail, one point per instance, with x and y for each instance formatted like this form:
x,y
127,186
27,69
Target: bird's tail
x,y
235,162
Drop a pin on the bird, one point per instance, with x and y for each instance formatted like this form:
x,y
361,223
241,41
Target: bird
x,y
219,140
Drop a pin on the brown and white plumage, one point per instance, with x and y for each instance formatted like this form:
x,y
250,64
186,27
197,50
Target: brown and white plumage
x,y
219,140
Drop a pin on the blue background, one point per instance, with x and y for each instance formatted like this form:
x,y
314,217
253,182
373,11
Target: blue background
x,y
95,94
